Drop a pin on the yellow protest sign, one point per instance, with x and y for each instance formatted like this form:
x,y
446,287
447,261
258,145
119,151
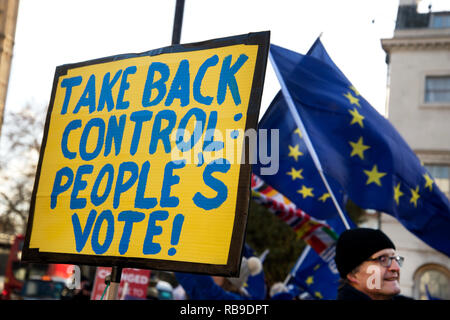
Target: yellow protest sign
x,y
141,158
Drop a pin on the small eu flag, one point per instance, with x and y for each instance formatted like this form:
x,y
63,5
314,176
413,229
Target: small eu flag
x,y
315,277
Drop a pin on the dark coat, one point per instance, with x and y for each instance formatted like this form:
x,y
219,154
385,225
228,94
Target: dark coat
x,y
347,292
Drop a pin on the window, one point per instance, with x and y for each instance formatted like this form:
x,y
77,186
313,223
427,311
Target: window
x,y
432,281
441,176
440,21
437,89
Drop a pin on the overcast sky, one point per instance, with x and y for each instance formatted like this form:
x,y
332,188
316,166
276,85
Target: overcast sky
x,y
54,32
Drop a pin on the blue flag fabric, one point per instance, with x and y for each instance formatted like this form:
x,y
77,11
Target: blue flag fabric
x,y
297,177
299,180
317,274
360,149
315,277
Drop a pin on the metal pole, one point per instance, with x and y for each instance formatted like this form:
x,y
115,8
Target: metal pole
x,y
178,22
113,289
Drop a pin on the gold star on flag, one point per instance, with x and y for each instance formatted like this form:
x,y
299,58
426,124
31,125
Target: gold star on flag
x,y
318,295
428,182
306,192
357,118
414,196
317,266
374,176
352,99
324,197
295,174
397,193
310,280
297,131
358,148
354,90
294,152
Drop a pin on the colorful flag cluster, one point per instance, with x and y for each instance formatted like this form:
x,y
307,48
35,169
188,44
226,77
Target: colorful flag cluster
x,y
315,233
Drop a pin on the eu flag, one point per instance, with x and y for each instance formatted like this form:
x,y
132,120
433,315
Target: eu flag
x,y
316,275
359,148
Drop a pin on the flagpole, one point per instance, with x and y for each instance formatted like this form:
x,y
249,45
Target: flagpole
x,y
308,142
297,264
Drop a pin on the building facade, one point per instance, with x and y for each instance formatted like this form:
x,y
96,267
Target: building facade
x,y
418,58
8,19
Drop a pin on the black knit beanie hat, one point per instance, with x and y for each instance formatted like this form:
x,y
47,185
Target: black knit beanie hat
x,y
354,246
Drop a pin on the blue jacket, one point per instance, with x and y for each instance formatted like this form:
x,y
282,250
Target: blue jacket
x,y
203,287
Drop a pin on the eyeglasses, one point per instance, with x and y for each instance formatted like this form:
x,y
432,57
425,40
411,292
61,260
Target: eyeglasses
x,y
386,261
